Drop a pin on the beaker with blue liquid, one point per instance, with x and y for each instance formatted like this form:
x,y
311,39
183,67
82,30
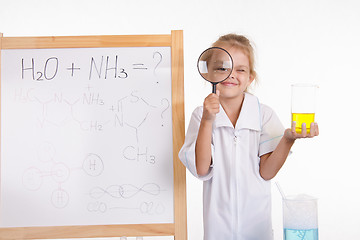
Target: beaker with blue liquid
x,y
300,218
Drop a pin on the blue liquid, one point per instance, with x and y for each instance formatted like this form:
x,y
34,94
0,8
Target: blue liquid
x,y
294,234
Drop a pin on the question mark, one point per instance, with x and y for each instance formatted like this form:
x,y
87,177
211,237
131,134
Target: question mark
x,y
159,54
168,105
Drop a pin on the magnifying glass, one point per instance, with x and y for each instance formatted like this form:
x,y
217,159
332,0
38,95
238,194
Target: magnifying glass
x,y
215,65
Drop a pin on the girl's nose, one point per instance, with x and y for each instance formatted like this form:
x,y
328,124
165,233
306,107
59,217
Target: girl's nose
x,y
232,75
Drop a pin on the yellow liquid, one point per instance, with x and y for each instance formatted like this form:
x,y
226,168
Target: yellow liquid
x,y
300,118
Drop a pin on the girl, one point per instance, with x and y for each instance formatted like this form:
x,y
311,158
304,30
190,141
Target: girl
x,y
236,145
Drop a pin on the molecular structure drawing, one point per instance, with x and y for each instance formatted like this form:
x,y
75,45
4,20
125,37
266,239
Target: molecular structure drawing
x,y
34,177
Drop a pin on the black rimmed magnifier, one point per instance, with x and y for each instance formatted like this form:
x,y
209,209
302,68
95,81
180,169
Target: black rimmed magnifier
x,y
215,65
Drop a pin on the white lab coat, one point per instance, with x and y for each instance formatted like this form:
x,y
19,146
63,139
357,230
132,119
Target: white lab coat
x,y
236,199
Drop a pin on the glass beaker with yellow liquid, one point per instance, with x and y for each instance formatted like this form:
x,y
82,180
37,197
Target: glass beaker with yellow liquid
x,y
303,105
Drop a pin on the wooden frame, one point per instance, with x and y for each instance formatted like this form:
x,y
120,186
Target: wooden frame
x,y
179,228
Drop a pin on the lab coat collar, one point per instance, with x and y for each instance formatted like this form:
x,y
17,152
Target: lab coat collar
x,y
249,116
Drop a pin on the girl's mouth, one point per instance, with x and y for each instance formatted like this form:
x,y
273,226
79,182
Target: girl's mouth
x,y
229,84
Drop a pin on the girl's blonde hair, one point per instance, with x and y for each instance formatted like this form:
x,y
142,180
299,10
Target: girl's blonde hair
x,y
244,44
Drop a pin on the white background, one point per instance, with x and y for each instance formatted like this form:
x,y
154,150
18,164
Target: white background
x,y
295,41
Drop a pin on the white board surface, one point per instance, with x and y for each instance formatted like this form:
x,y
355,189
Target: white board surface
x,y
86,137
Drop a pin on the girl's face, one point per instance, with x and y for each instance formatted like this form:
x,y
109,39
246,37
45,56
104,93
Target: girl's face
x,y
236,84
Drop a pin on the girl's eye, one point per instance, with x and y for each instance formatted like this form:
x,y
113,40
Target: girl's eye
x,y
241,70
222,69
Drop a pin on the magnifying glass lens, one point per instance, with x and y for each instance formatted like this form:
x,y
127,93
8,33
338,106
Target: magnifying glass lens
x,y
215,65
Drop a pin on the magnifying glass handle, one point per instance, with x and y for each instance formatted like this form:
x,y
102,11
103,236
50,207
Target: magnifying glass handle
x,y
214,88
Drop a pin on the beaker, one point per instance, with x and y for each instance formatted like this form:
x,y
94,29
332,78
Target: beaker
x,y
300,218
303,105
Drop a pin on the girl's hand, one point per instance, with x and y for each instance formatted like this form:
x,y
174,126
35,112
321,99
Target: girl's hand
x,y
211,106
291,134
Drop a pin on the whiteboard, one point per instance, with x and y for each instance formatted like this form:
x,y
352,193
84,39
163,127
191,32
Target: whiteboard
x,y
80,137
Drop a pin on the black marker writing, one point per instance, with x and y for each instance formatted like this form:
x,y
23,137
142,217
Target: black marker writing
x,y
56,66
29,68
72,68
50,69
139,66
160,59
110,67
93,63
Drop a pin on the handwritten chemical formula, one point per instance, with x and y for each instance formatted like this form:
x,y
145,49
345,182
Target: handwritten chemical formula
x,y
82,134
103,67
